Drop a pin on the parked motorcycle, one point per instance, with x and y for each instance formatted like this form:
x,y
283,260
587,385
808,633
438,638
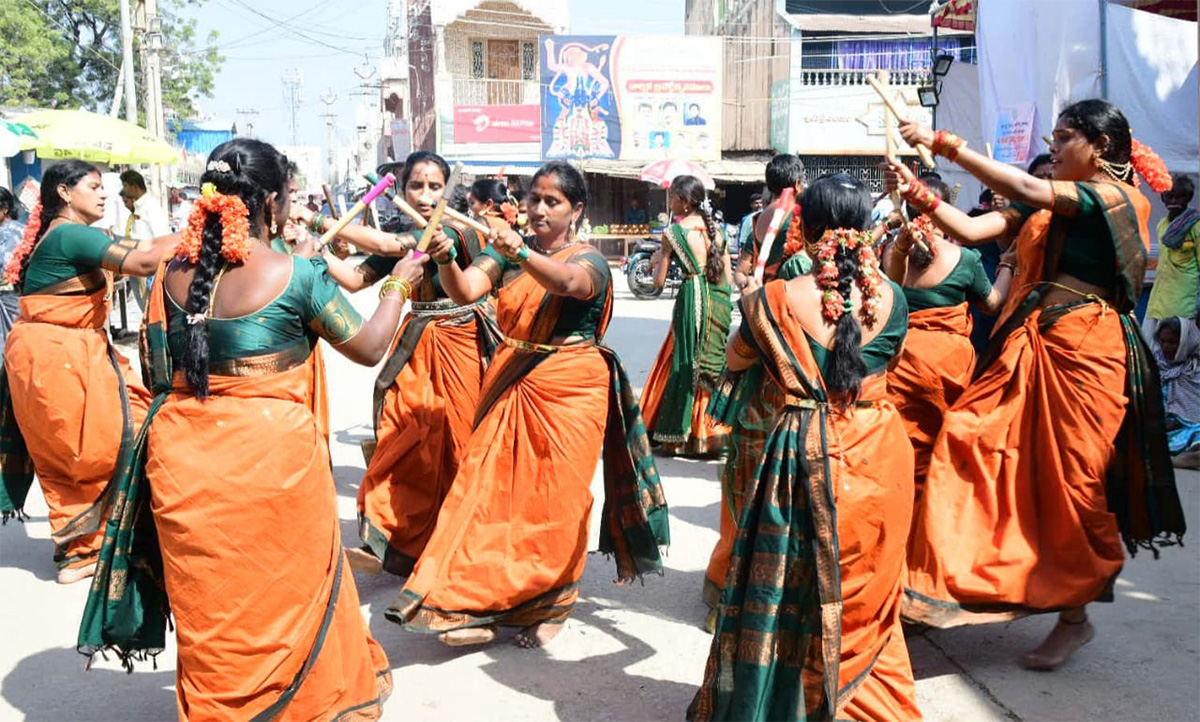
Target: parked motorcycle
x,y
639,272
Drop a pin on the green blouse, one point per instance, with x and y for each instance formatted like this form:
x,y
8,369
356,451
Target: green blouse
x,y
379,266
967,281
577,317
311,306
878,352
71,250
1087,252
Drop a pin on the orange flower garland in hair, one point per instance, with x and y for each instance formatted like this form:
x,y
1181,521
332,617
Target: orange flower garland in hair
x,y
12,272
508,211
795,235
235,226
1150,166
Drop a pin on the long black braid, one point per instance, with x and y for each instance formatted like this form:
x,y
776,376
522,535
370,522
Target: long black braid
x,y
251,170
691,189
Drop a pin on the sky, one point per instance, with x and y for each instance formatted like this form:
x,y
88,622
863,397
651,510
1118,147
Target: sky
x,y
265,40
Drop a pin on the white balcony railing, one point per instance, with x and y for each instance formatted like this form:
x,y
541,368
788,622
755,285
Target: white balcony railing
x,y
858,77
482,91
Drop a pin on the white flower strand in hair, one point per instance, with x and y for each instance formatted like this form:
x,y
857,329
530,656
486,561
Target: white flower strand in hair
x,y
219,165
706,205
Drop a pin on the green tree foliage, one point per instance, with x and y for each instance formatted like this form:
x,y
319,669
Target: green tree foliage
x,y
67,54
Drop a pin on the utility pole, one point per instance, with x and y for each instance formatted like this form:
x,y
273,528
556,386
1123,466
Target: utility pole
x,y
251,112
293,95
329,98
151,45
127,63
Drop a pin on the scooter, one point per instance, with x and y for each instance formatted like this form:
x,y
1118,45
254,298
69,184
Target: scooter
x,y
639,272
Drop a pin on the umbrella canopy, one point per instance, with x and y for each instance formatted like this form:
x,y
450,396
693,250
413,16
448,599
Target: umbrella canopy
x,y
662,172
15,137
96,138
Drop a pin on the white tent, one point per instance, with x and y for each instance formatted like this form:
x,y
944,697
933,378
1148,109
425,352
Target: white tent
x,y
1054,53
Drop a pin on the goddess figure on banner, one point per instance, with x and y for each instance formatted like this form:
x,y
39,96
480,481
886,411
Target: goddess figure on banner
x,y
580,86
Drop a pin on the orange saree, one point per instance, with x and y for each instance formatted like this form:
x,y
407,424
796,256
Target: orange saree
x,y
1051,455
424,403
239,538
78,404
934,368
809,621
510,543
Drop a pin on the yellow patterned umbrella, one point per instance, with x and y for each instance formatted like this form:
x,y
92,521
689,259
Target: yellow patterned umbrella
x,y
97,138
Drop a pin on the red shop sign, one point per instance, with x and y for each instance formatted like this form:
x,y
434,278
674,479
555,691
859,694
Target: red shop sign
x,y
497,124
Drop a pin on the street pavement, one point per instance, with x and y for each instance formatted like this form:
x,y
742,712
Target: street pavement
x,y
632,652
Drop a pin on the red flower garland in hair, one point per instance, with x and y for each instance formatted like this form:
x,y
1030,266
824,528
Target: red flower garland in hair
x,y
1150,166
833,305
12,272
795,235
922,229
235,226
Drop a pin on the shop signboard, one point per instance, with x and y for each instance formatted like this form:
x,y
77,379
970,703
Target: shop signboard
x,y
846,119
497,124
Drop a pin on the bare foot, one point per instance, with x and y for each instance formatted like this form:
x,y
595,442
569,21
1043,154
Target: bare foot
x,y
76,574
539,635
362,560
468,636
1066,637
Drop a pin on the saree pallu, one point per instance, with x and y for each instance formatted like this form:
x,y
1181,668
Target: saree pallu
x,y
809,622
678,390
934,368
1056,452
245,545
71,406
425,399
736,403
510,543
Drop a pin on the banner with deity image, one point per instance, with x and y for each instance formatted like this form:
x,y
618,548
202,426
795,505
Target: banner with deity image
x,y
631,98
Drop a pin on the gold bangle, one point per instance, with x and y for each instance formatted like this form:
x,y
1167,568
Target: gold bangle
x,y
400,285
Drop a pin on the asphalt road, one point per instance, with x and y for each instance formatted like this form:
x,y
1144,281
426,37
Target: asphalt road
x,y
628,653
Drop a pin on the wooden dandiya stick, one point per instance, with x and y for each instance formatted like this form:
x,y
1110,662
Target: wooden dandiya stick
x,y
787,201
922,151
889,141
469,221
397,201
354,212
333,211
889,144
434,221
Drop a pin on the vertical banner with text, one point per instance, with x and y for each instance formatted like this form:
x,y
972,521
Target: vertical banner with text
x,y
632,98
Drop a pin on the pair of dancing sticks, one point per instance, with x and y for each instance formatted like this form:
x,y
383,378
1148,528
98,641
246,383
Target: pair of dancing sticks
x,y
889,140
420,221
348,217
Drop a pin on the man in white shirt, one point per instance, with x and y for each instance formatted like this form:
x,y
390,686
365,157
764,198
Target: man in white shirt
x,y
147,218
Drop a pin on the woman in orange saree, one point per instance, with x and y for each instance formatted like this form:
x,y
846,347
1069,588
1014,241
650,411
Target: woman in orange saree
x,y
1056,452
677,391
69,403
427,390
939,279
511,540
808,627
241,539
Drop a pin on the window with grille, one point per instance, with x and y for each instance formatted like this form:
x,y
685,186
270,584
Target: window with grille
x,y
478,69
529,61
863,167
